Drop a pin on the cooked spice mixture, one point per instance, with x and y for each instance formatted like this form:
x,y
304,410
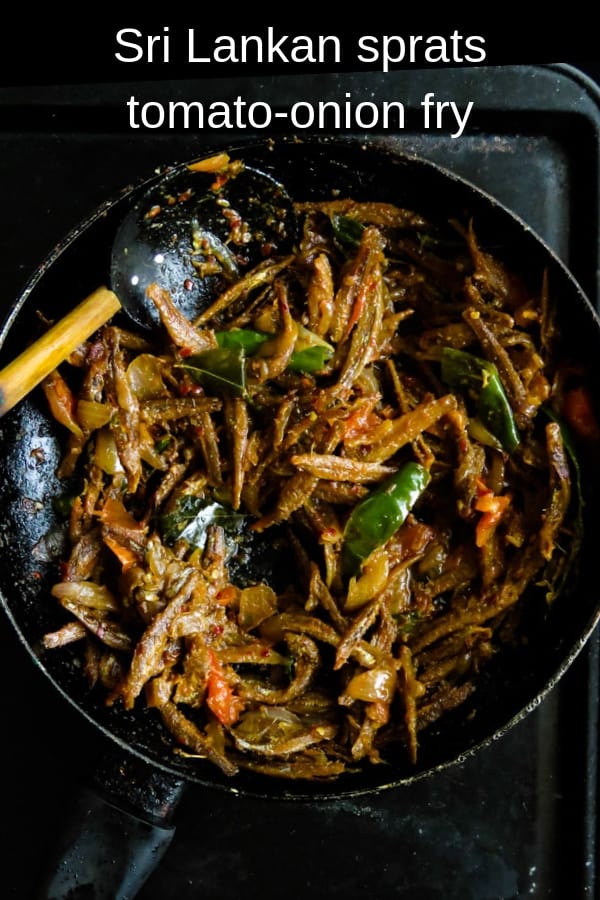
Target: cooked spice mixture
x,y
305,523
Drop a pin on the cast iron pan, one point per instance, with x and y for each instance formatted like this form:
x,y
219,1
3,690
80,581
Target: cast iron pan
x,y
125,825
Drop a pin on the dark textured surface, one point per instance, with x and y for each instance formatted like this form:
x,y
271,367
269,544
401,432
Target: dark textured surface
x,y
517,820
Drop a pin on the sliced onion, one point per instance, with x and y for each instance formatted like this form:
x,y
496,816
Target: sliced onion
x,y
268,724
378,684
92,415
85,593
148,451
371,582
144,375
257,603
106,455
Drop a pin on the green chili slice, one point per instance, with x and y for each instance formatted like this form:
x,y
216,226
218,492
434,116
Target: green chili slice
x,y
309,360
464,371
245,338
310,355
376,518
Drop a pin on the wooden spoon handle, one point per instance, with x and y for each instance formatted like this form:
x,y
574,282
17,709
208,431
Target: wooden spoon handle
x,y
21,375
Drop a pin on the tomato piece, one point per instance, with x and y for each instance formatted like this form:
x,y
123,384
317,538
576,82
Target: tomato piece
x,y
492,508
221,700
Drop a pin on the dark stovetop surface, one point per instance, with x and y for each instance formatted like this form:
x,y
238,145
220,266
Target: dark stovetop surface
x,y
516,820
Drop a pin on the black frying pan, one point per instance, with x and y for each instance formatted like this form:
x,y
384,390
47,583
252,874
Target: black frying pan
x,y
143,784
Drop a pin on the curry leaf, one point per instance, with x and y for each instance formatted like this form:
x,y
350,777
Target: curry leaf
x,y
191,517
347,231
222,369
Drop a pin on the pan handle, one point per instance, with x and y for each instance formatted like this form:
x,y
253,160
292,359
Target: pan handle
x,y
115,835
25,372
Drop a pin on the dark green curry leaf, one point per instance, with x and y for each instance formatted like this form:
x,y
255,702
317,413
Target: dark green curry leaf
x,y
347,231
466,372
191,517
222,370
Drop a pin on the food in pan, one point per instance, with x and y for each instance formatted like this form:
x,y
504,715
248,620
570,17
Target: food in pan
x,y
303,525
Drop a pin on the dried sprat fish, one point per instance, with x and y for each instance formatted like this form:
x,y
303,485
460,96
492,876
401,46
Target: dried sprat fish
x,y
302,520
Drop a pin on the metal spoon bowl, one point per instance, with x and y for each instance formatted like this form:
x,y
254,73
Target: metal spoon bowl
x,y
195,231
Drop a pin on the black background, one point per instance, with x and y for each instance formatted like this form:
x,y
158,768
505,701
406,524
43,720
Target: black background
x,y
35,52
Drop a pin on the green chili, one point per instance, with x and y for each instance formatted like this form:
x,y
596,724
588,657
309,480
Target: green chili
x,y
309,360
245,338
464,371
310,355
379,515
